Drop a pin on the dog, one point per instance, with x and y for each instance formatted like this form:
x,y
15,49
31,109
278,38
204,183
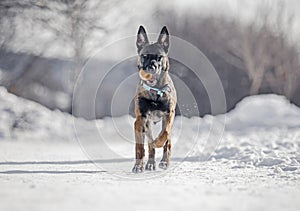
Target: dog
x,y
155,100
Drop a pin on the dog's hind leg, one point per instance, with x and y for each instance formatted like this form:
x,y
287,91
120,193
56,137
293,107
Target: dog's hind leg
x,y
165,161
151,150
139,145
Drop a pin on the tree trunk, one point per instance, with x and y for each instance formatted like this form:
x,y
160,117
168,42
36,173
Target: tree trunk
x,y
256,82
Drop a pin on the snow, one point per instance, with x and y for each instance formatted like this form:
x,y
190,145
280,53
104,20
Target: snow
x,y
264,111
45,165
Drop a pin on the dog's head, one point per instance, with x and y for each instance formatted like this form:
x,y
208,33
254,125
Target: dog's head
x,y
152,57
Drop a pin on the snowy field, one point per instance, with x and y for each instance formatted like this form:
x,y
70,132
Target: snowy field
x,y
253,165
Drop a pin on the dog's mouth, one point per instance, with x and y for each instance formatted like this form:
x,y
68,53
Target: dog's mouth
x,y
148,77
152,81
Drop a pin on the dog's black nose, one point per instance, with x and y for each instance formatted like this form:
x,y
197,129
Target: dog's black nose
x,y
151,70
153,62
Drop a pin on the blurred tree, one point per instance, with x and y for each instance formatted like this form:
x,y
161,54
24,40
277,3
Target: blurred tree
x,y
24,69
84,27
268,51
262,48
284,75
33,32
44,44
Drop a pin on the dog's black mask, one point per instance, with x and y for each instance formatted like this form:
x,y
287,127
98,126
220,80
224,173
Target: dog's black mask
x,y
152,56
151,62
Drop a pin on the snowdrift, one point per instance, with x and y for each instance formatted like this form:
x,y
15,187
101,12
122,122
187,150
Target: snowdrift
x,y
21,119
263,111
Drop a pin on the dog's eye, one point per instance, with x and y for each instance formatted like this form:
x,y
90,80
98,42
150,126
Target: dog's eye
x,y
143,57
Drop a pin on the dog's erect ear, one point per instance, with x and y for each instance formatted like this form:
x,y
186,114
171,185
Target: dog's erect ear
x,y
163,38
142,38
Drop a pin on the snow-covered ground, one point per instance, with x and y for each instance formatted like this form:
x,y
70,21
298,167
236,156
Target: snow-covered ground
x,y
45,165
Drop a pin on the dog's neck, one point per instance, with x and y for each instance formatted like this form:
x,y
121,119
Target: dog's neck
x,y
160,88
161,80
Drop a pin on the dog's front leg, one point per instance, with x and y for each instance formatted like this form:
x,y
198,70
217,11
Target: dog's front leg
x,y
151,150
139,145
164,139
165,134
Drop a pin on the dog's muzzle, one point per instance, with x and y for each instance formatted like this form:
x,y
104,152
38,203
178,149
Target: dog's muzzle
x,y
149,69
144,75
151,79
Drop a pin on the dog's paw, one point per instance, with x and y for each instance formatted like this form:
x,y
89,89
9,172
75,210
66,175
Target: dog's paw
x,y
138,168
150,166
163,165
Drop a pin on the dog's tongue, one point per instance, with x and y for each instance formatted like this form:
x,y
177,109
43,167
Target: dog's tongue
x,y
152,81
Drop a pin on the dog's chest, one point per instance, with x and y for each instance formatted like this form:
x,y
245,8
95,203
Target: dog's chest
x,y
153,108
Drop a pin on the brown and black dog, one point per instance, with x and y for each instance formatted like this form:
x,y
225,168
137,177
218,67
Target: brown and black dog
x,y
155,100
